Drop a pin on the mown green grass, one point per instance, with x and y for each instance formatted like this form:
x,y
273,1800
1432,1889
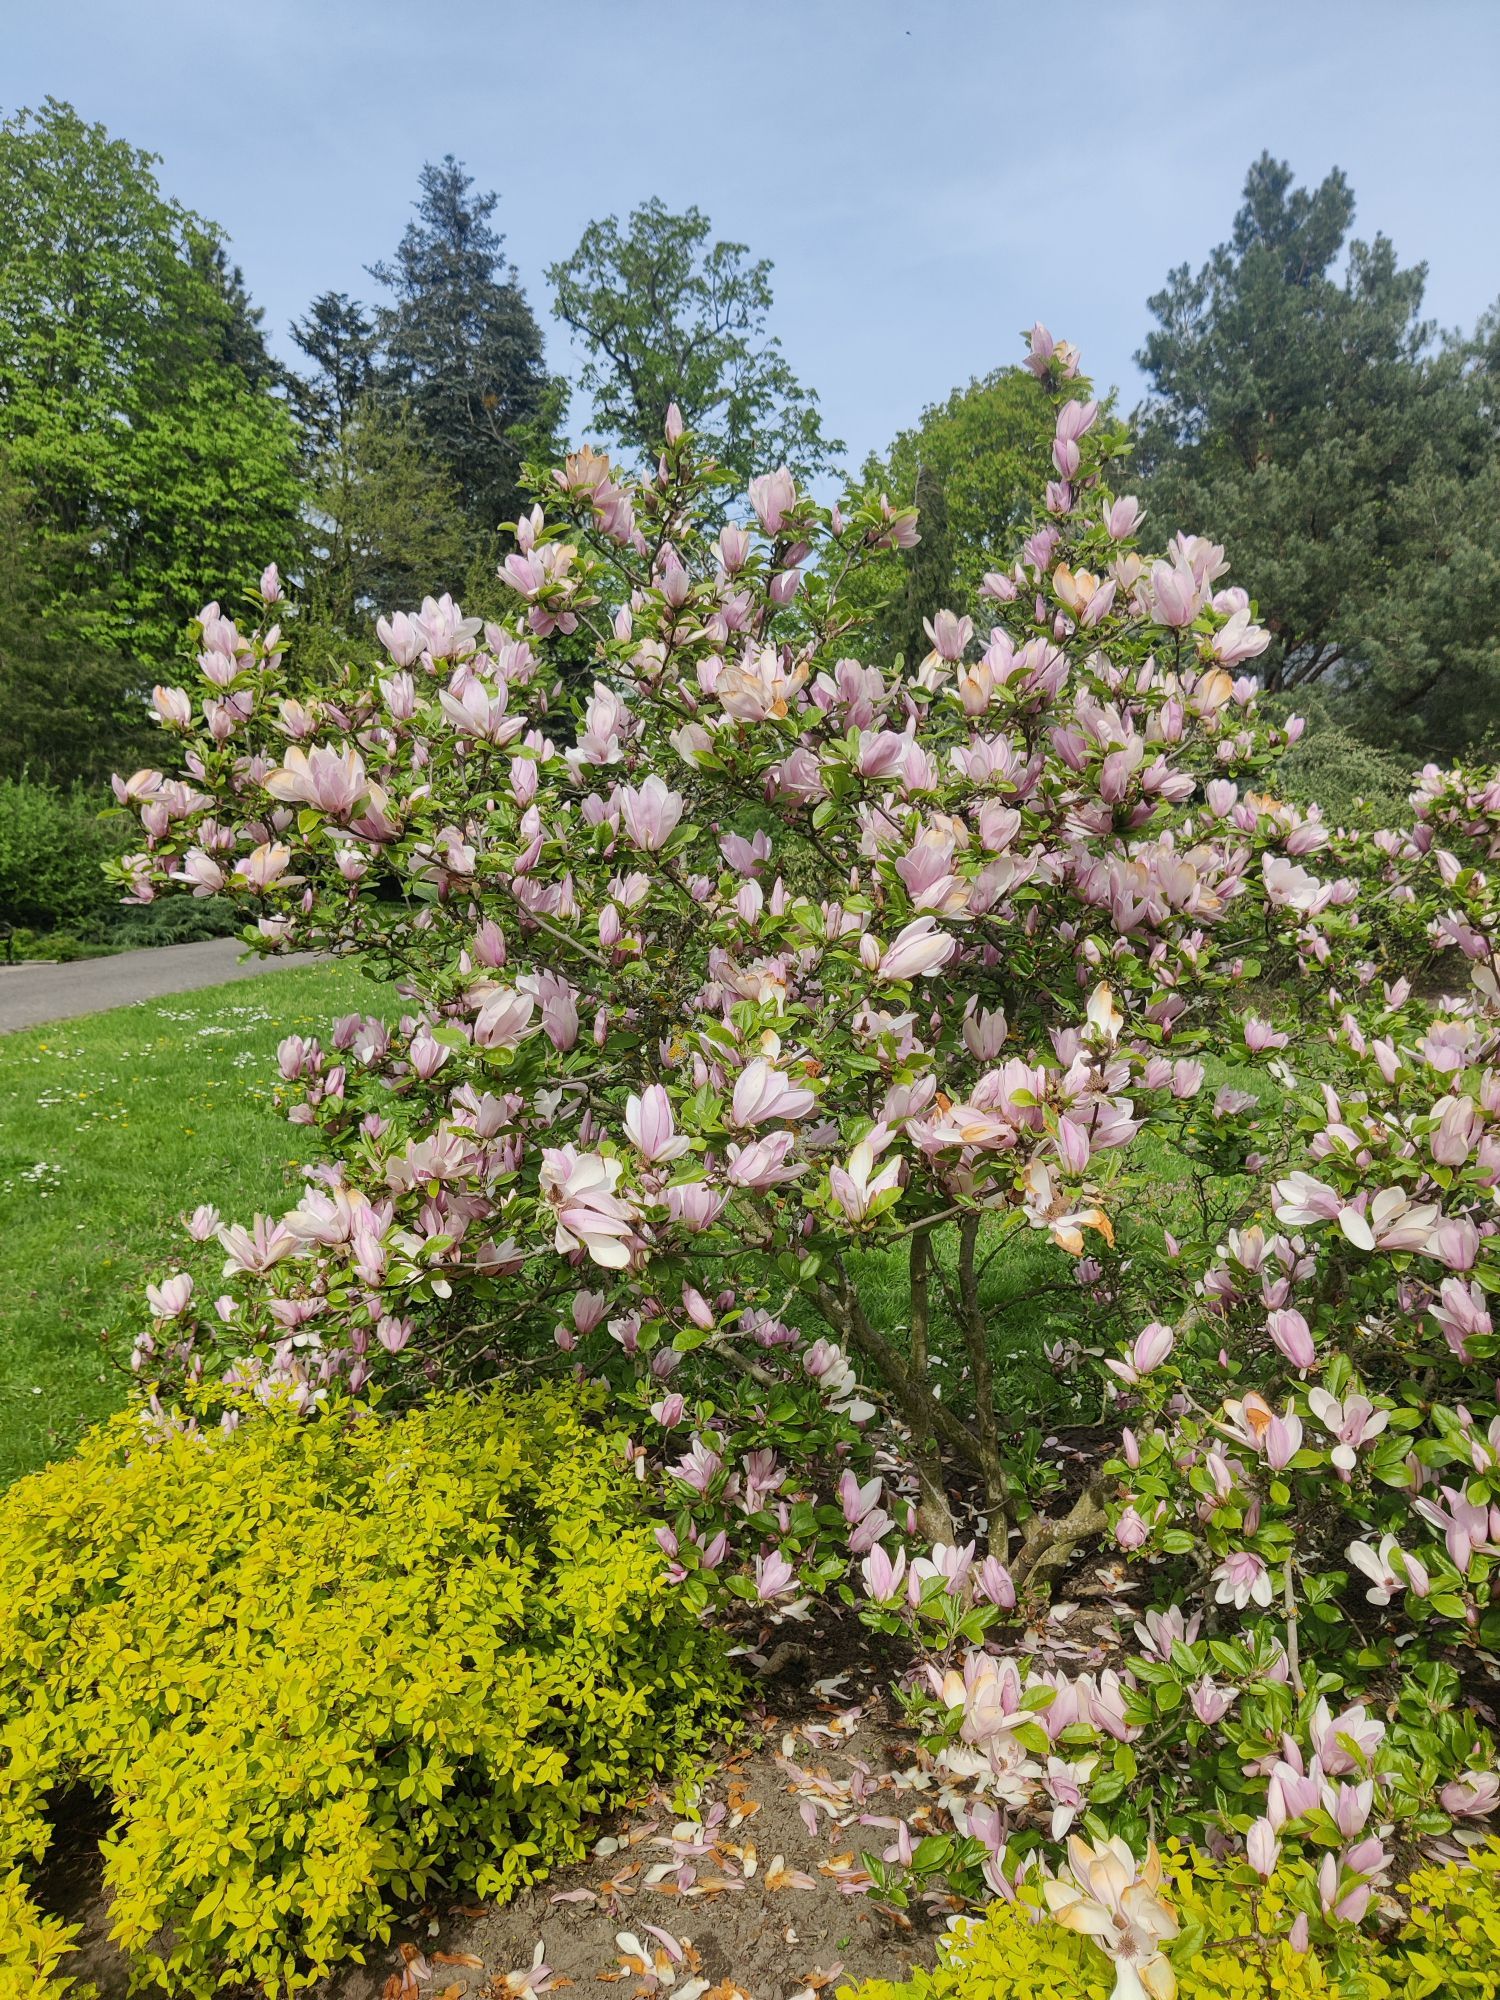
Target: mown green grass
x,y
113,1127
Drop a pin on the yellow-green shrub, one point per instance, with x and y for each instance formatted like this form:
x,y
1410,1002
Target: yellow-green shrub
x,y
312,1664
1446,1946
32,1946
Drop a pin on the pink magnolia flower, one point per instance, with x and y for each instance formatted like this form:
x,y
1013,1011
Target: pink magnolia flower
x,y
650,813
173,707
1239,639
1293,1791
331,781
1389,1569
699,1466
402,637
1211,1703
1106,1895
1293,1336
949,634
169,1299
257,1249
762,1092
1345,1743
1461,1312
1283,1439
695,1205
1130,1531
916,951
1075,420
773,495
393,1332
1149,1350
200,873
951,1562
1243,1579
1122,517
993,1584
857,1186
1467,1526
734,548
774,1576
479,712
1342,1899
882,1577
1175,596
1260,1036
763,1163
504,1021
1262,1848
580,1188
1299,1200
1475,1795
1353,1423
651,1128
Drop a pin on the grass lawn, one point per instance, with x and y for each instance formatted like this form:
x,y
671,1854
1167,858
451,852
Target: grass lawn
x,y
111,1128
115,1126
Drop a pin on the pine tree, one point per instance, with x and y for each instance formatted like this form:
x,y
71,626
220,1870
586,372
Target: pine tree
x,y
338,338
1314,423
461,349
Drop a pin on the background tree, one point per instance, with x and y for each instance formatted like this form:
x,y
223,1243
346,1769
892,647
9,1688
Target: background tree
x,y
1314,423
338,338
966,464
159,463
72,712
461,349
235,326
928,567
666,315
387,523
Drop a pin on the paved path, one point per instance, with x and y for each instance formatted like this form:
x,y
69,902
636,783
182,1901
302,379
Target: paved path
x,y
32,994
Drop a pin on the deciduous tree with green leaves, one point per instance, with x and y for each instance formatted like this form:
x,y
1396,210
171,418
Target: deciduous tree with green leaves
x,y
71,710
135,398
967,466
1313,418
387,525
667,315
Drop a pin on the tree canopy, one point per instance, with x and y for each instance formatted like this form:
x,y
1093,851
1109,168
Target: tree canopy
x,y
966,467
460,347
667,315
1313,419
135,391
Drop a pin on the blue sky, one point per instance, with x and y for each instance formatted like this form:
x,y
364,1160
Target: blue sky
x,y
927,176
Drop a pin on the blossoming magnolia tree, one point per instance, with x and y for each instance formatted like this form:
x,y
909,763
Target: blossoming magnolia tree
x,y
729,957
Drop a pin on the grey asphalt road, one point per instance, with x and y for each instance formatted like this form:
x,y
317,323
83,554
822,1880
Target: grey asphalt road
x,y
31,995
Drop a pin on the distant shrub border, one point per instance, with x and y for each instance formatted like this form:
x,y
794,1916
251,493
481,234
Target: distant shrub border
x,y
311,1665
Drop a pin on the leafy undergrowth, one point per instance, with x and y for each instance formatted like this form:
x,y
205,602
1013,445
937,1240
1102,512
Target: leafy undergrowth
x,y
109,1127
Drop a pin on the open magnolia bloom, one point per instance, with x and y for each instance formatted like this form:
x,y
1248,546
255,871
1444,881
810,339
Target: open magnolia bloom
x,y
1106,1895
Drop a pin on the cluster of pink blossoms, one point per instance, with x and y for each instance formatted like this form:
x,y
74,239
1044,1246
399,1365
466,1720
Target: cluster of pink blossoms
x,y
736,954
